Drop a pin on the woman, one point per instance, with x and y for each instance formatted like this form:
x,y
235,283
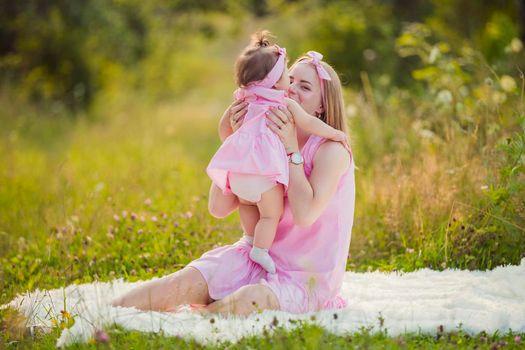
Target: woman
x,y
313,236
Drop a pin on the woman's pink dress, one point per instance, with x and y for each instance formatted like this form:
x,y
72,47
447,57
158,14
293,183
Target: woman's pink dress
x,y
310,261
252,150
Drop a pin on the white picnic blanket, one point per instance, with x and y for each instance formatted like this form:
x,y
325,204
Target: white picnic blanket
x,y
407,302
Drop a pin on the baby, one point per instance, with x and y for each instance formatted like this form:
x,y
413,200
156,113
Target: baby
x,y
252,162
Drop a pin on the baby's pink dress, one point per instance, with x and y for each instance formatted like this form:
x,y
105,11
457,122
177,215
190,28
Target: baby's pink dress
x,y
310,261
253,159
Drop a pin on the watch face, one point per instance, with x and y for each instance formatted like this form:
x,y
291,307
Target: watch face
x,y
297,158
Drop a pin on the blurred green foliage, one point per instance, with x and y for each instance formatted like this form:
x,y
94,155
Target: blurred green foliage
x,y
67,52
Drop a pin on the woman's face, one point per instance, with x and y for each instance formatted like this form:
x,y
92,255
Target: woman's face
x,y
305,89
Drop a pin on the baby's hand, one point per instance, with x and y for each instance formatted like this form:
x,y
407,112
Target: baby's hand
x,y
339,136
291,104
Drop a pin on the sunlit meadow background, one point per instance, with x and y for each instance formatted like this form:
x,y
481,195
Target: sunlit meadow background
x,y
109,112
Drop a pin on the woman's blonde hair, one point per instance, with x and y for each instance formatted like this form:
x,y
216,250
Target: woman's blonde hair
x,y
333,103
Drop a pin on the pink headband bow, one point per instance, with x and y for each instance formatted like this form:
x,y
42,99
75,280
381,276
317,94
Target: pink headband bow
x,y
316,58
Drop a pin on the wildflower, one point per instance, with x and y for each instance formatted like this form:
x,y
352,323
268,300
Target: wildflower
x,y
369,54
147,202
101,336
507,83
434,53
499,97
124,214
134,216
188,215
154,218
517,339
516,45
444,97
116,217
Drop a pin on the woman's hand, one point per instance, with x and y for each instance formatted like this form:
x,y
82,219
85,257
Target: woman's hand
x,y
232,118
340,136
238,110
280,121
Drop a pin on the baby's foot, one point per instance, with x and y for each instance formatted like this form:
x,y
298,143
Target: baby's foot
x,y
261,256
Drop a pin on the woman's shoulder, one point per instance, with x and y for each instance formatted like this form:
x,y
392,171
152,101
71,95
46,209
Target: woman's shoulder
x,y
333,154
334,151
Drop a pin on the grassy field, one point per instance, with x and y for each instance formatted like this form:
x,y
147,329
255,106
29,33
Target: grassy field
x,y
122,192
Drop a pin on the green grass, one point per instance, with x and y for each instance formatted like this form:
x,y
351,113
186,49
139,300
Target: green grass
x,y
307,336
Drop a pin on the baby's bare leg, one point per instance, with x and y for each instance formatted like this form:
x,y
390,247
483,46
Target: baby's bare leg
x,y
270,210
186,286
249,214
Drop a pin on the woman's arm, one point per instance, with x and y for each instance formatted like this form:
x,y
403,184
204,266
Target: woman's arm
x,y
219,204
308,198
313,125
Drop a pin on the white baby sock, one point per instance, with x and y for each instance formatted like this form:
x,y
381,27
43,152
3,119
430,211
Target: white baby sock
x,y
261,256
247,239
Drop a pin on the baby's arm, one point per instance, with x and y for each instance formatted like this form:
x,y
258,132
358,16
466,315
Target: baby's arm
x,y
313,125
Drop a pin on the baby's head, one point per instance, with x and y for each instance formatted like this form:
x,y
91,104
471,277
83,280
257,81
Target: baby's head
x,y
257,60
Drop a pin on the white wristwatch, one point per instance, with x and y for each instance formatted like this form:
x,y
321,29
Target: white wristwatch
x,y
296,158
